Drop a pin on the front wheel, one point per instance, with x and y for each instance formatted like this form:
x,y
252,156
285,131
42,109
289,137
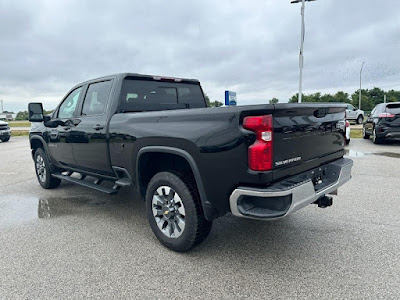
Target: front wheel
x,y
43,170
5,139
360,119
174,212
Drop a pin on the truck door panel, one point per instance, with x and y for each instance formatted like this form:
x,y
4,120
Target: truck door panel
x,y
89,135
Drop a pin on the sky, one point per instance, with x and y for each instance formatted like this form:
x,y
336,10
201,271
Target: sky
x,y
250,47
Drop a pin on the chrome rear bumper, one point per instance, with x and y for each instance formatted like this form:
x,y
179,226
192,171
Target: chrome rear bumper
x,y
282,199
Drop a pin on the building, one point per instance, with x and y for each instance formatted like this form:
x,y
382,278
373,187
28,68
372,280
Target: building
x,y
7,117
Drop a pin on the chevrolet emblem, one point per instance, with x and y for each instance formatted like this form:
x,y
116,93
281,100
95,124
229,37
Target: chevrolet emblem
x,y
165,212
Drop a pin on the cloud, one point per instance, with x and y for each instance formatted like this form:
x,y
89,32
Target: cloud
x,y
250,47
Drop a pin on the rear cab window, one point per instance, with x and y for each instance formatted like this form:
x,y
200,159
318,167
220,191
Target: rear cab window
x,y
150,95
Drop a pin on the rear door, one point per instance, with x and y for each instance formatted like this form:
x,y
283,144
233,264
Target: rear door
x,y
89,135
306,136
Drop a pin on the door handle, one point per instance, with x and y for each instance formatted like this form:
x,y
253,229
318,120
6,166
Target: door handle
x,y
98,127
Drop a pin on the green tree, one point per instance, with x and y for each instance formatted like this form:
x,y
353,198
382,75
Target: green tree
x,y
393,96
212,104
216,104
316,97
341,97
366,103
273,101
22,115
295,98
207,100
376,95
327,98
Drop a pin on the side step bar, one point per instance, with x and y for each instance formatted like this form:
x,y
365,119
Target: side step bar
x,y
98,187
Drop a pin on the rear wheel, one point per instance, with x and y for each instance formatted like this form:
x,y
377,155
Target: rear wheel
x,y
365,134
360,119
43,170
375,138
174,212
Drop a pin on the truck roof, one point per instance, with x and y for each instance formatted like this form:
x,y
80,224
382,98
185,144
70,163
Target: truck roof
x,y
144,76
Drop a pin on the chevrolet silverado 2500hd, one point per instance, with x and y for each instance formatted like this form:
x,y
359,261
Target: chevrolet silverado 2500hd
x,y
191,164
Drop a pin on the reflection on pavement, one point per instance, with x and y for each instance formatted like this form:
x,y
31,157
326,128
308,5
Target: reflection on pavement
x,y
355,153
50,207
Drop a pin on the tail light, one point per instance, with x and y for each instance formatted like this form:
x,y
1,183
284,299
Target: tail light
x,y
260,153
386,115
347,123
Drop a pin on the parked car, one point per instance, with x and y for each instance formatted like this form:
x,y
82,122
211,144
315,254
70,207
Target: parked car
x,y
5,131
383,122
191,164
354,114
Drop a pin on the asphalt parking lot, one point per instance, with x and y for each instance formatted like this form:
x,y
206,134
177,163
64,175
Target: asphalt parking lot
x,y
89,245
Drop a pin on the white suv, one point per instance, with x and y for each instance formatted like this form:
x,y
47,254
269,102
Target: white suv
x,y
354,114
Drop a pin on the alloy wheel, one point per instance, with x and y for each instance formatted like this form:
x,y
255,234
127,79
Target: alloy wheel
x,y
374,135
41,168
168,211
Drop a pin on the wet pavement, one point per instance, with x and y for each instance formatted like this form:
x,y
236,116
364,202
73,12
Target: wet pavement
x,y
72,242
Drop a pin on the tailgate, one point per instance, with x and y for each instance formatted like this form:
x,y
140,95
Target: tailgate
x,y
306,136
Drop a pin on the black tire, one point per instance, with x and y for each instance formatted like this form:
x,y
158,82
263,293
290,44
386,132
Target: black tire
x,y
360,119
365,134
375,138
5,140
43,170
347,141
195,227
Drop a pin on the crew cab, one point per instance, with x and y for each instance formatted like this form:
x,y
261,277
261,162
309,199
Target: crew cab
x,y
191,164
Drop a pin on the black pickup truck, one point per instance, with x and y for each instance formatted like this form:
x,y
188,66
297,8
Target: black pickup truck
x,y
191,164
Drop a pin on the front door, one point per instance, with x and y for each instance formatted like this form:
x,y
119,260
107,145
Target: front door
x,y
350,112
89,135
59,138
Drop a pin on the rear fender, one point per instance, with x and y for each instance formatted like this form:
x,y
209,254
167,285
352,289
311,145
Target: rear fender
x,y
209,212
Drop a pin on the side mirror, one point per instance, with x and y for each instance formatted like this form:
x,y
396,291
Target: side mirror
x,y
35,111
355,108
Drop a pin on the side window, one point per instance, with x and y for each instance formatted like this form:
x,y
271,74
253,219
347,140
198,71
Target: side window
x,y
379,109
350,107
67,108
96,98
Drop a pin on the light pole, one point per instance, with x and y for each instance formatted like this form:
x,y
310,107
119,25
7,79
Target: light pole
x,y
301,58
359,94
